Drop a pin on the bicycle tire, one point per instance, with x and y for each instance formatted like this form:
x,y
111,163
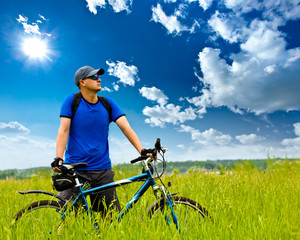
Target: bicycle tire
x,y
40,217
37,205
187,211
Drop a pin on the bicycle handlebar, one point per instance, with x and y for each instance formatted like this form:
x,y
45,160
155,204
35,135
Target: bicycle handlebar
x,y
153,151
138,159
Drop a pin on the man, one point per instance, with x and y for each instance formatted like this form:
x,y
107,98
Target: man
x,y
84,136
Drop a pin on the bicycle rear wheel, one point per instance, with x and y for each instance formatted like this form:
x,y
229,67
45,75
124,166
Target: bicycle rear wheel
x,y
188,212
38,218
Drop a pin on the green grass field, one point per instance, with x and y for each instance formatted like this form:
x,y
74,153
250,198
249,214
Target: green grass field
x,y
245,203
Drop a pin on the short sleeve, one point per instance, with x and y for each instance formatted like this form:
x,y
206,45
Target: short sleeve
x,y
116,111
66,107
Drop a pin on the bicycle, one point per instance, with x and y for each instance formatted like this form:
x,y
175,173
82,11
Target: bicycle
x,y
175,209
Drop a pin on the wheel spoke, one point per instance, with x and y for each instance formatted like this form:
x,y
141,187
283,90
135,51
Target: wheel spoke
x,y
188,213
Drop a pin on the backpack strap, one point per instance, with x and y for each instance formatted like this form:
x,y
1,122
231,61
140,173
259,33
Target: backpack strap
x,y
75,103
107,106
103,100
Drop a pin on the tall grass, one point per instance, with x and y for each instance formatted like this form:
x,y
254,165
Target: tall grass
x,y
245,203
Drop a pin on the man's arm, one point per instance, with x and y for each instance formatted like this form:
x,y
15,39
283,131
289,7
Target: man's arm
x,y
123,124
62,139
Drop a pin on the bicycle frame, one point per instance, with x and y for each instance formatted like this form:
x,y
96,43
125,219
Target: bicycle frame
x,y
145,176
149,181
83,193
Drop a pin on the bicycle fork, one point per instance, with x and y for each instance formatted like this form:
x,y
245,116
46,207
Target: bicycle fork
x,y
167,201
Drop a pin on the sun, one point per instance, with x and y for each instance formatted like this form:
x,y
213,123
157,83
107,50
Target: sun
x,y
35,48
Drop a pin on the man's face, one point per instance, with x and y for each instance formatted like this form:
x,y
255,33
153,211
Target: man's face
x,y
92,83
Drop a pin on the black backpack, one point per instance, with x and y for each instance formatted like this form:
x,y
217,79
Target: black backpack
x,y
103,100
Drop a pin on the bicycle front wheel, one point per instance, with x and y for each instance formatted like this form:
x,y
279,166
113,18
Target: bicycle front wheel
x,y
188,213
38,219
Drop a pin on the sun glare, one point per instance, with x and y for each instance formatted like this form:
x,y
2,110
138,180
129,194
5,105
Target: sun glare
x,y
35,48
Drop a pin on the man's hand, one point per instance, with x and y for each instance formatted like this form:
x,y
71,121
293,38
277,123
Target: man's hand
x,y
149,153
57,162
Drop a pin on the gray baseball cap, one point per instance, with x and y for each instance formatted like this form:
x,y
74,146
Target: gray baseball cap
x,y
86,71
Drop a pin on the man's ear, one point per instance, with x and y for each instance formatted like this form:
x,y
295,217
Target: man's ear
x,y
81,81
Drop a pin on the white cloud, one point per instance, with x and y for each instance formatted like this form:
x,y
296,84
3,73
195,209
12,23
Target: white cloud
x,y
290,10
117,5
232,26
208,137
26,141
205,4
164,113
258,39
128,75
264,76
170,1
93,4
116,87
42,17
106,89
212,144
285,9
32,28
154,94
160,115
293,141
265,43
13,127
227,26
28,28
172,23
233,151
243,6
251,138
297,129
25,152
270,69
180,146
246,85
118,146
121,5
199,101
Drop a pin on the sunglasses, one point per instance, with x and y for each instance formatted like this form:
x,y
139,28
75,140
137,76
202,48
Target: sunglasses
x,y
95,77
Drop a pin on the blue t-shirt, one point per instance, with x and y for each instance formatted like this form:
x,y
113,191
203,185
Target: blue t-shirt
x,y
88,137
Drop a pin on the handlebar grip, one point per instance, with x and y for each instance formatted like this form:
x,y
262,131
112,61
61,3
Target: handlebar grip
x,y
138,159
145,151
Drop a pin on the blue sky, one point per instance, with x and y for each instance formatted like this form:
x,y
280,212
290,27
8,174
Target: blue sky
x,y
212,79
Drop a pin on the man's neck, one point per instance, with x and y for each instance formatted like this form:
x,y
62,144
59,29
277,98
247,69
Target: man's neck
x,y
89,96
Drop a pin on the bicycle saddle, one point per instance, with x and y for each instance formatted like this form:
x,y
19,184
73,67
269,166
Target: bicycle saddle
x,y
70,166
